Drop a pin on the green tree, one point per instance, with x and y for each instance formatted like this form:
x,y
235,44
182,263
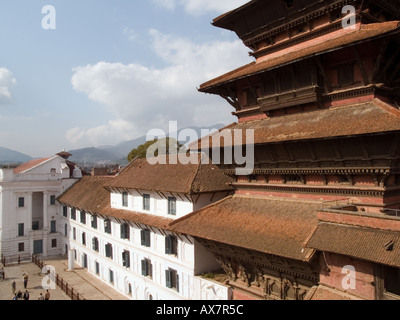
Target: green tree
x,y
169,145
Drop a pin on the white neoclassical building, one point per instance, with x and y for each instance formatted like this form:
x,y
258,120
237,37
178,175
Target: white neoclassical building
x,y
118,229
28,208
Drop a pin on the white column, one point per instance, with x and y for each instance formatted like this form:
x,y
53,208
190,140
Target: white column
x,y
45,211
71,260
30,209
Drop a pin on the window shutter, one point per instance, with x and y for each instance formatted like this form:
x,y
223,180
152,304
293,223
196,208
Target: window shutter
x,y
122,227
150,271
168,245
168,282
143,237
128,260
147,238
174,245
144,267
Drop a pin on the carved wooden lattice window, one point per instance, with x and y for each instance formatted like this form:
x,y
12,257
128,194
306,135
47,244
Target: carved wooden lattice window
x,y
285,81
251,97
345,74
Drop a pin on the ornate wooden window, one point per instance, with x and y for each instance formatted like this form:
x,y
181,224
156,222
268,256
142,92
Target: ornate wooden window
x,y
345,74
251,96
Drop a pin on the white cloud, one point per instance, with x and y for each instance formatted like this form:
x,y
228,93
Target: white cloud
x,y
7,81
142,98
198,7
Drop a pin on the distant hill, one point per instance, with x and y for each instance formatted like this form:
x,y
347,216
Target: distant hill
x,y
118,153
8,156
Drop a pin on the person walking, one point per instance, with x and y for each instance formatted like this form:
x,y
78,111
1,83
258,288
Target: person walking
x,y
47,295
26,295
25,275
13,287
41,296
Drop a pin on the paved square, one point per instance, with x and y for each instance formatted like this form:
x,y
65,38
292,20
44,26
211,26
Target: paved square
x,y
88,286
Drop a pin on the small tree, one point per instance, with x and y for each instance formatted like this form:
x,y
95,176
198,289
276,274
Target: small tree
x,y
141,151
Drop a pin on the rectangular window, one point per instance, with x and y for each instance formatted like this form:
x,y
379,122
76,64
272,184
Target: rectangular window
x,y
172,206
83,217
146,202
83,238
126,259
21,202
74,233
145,238
172,279
35,225
171,245
21,228
73,213
65,211
109,250
66,230
21,247
147,268
97,268
125,231
53,226
54,243
52,200
94,222
95,244
107,226
111,273
125,199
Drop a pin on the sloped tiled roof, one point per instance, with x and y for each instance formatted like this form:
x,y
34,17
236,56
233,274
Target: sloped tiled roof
x,y
374,116
273,226
359,242
30,164
364,33
182,178
90,195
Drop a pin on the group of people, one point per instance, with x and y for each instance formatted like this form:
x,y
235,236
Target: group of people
x,y
26,296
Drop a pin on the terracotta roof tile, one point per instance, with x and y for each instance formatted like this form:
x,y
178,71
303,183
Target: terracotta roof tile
x,y
323,293
29,165
90,195
278,227
364,33
182,178
383,246
362,118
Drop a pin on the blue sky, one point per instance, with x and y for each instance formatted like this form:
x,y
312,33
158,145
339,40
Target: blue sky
x,y
111,71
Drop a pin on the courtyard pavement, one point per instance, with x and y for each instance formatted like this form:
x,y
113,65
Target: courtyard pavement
x,y
88,286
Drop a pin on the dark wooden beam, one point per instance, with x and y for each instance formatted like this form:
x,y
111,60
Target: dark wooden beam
x,y
360,64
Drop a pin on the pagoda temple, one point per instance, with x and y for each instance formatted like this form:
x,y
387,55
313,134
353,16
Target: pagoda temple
x,y
319,216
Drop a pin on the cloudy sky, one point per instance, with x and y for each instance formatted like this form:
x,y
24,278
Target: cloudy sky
x,y
110,71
